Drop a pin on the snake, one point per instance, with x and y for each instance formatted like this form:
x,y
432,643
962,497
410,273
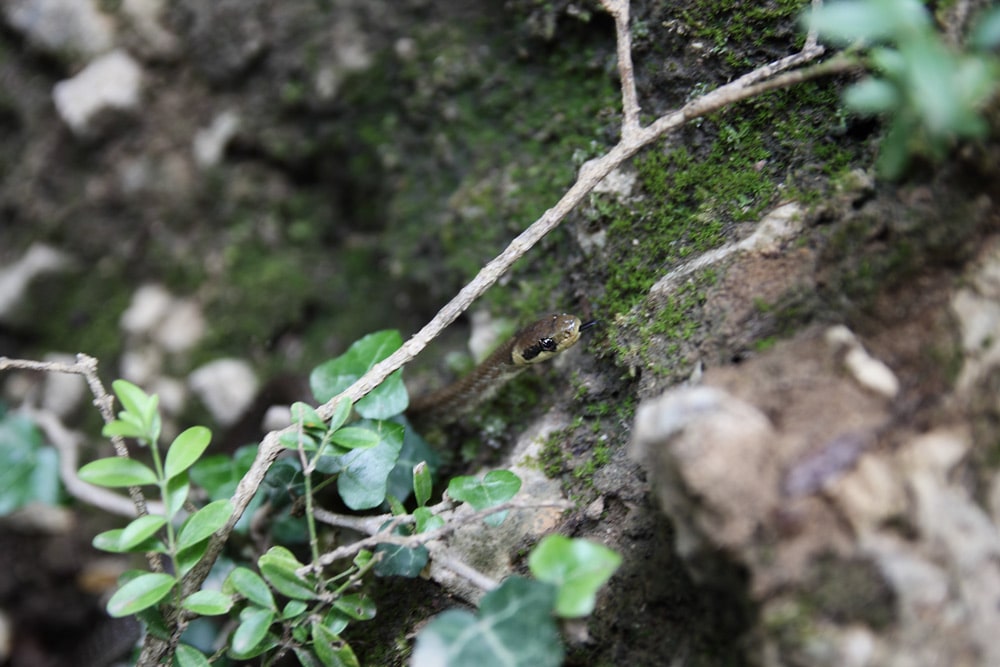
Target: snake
x,y
537,342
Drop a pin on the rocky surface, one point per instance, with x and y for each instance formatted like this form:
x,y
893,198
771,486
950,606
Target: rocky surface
x,y
811,478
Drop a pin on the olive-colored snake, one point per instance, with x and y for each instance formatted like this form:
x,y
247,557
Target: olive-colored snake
x,y
540,340
536,342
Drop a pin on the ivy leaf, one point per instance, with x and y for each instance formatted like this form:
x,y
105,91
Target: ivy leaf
x,y
140,593
185,450
364,472
208,603
334,376
117,471
249,584
577,567
496,487
426,521
204,522
29,470
400,561
513,628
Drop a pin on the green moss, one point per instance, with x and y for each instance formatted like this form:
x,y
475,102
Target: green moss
x,y
734,29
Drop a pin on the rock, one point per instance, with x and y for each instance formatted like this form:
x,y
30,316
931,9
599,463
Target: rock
x,y
16,278
182,328
210,142
174,324
226,387
145,18
110,84
58,27
689,439
149,306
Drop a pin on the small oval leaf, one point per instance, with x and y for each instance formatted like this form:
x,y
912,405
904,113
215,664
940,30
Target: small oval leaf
x,y
185,450
352,437
254,623
204,522
117,471
141,593
249,584
140,530
208,603
189,656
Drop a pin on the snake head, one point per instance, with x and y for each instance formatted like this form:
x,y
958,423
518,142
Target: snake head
x,y
545,338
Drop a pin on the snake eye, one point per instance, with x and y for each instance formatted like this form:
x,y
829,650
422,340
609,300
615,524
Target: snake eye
x,y
547,344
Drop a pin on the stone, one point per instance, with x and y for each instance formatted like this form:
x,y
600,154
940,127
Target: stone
x,y
59,27
226,387
110,83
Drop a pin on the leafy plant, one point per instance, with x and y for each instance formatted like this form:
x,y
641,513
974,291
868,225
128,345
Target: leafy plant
x,y
29,469
277,603
933,94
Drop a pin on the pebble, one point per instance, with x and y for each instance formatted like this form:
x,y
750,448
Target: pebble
x,y
111,82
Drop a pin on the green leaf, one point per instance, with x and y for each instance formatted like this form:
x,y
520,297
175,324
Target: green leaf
x,y
986,34
426,520
249,584
185,450
305,414
144,591
204,522
189,556
364,472
353,437
341,413
123,428
422,483
220,474
134,399
279,567
334,376
110,540
496,487
577,567
513,628
356,605
140,410
331,649
871,20
293,608
177,492
117,471
872,96
140,530
29,470
208,603
335,621
400,561
189,656
253,627
415,449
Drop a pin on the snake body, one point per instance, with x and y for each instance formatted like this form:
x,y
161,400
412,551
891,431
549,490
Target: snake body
x,y
537,342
